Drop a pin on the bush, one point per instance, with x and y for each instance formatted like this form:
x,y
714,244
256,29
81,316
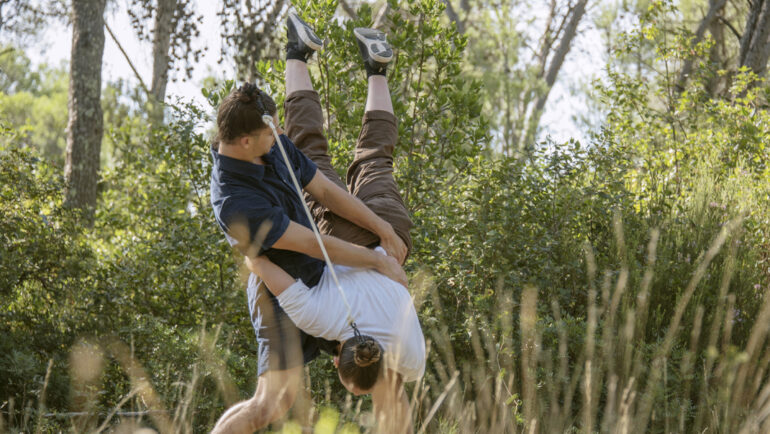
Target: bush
x,y
622,283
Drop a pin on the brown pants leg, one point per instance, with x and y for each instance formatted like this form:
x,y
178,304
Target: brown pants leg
x,y
370,177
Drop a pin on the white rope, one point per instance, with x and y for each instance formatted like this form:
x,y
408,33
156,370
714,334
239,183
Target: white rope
x,y
269,121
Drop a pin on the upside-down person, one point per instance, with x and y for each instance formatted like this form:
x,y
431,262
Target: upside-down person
x,y
251,188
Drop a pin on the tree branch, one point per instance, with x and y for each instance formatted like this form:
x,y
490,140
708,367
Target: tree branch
x,y
558,60
565,43
452,14
730,26
348,9
546,41
378,20
564,20
131,64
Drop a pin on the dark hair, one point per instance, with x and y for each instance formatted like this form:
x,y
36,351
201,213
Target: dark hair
x,y
361,361
241,112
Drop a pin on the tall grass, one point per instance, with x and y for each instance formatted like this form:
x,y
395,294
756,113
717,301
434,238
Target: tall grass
x,y
618,382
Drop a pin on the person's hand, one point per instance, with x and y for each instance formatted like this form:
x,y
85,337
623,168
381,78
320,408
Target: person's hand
x,y
392,270
394,245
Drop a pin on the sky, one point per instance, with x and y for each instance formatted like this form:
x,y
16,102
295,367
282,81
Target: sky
x,y
584,62
56,43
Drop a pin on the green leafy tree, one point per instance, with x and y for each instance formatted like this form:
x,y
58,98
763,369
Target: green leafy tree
x,y
175,24
440,125
32,101
249,32
518,69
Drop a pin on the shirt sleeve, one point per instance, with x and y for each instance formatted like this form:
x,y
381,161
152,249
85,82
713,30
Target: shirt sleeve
x,y
307,312
253,224
304,167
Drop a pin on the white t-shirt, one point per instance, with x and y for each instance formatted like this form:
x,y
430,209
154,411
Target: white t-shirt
x,y
381,308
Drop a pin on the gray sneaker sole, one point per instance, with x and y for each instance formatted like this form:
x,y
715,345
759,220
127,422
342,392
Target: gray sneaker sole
x,y
305,33
376,44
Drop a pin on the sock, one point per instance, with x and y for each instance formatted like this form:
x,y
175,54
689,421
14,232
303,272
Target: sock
x,y
370,71
295,54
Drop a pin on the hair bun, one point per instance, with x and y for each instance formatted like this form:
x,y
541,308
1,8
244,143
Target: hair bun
x,y
366,353
248,93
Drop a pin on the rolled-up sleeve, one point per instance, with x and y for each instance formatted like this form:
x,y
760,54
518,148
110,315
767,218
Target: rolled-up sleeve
x,y
265,224
304,167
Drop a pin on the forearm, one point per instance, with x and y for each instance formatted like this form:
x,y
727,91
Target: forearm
x,y
300,239
340,252
349,207
348,254
352,209
276,279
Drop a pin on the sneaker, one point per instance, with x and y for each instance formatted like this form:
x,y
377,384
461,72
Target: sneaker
x,y
375,50
303,41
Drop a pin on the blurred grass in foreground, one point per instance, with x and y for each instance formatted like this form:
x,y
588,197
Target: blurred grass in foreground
x,y
619,382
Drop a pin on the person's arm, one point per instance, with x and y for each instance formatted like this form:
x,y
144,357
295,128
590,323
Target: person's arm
x,y
391,405
301,239
349,207
259,228
309,314
274,277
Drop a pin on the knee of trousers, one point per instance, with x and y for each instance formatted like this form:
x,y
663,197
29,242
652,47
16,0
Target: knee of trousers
x,y
391,209
379,131
304,122
373,175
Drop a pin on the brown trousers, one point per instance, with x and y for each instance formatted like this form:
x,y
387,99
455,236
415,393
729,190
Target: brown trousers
x,y
369,177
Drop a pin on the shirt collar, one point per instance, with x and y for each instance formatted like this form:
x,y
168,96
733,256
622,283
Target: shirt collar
x,y
238,167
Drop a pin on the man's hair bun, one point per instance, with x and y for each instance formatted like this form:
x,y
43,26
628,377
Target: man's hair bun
x,y
248,93
366,353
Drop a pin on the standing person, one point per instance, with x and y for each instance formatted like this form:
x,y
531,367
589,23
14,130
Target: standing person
x,y
250,188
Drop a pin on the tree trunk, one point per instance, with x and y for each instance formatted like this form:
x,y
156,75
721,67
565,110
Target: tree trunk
x,y
84,130
161,61
718,55
748,29
715,7
565,44
755,43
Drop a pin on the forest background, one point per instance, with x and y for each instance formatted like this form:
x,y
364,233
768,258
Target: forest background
x,y
617,283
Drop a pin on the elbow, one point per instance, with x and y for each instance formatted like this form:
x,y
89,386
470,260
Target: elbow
x,y
326,198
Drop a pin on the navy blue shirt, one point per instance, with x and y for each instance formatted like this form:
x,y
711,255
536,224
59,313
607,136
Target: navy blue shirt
x,y
255,194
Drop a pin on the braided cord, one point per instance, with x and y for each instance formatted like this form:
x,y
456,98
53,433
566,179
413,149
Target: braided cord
x,y
269,121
